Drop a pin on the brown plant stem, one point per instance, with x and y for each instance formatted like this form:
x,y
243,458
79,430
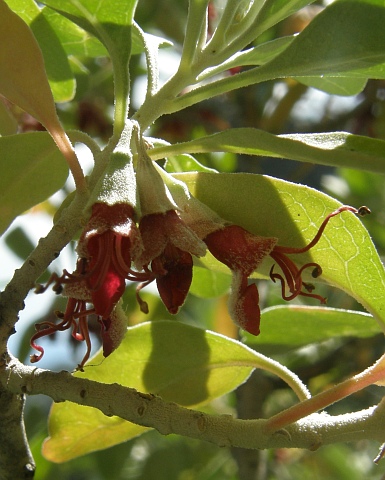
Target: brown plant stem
x,y
16,460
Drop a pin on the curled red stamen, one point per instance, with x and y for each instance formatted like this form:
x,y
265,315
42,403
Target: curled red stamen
x,y
74,317
345,208
292,275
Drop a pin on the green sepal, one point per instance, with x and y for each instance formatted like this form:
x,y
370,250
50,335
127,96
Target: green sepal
x,y
118,182
154,195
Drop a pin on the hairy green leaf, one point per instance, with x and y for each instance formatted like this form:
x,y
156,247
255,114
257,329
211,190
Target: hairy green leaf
x,y
32,169
339,149
295,326
56,63
111,22
23,79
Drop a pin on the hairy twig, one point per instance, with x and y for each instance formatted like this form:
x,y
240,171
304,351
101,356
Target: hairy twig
x,y
151,411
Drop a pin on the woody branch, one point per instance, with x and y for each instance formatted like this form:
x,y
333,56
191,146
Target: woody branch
x,y
151,411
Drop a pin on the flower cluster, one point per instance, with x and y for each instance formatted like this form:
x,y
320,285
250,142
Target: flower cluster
x,y
156,239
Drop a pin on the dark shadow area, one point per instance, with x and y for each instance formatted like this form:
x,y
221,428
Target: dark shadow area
x,y
180,376
266,215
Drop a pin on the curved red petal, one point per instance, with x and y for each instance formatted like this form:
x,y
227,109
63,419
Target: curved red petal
x,y
244,304
113,330
106,297
105,282
249,305
175,281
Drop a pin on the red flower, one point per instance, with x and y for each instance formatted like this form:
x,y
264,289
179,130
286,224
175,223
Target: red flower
x,y
243,252
106,247
168,244
75,317
108,243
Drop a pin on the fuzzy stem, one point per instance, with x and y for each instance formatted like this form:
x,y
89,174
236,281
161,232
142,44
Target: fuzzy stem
x,y
196,32
151,411
371,375
77,136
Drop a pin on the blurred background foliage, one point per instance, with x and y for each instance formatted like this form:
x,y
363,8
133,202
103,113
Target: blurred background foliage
x,y
282,106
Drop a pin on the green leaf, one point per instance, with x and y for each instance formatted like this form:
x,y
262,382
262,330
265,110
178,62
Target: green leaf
x,y
265,52
295,326
345,39
344,86
180,363
107,20
56,63
339,149
8,123
18,241
32,169
185,163
208,284
292,213
273,11
75,40
178,163
258,55
111,22
23,79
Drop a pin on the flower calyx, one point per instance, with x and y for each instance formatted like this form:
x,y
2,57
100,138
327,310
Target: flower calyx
x,y
109,243
243,252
